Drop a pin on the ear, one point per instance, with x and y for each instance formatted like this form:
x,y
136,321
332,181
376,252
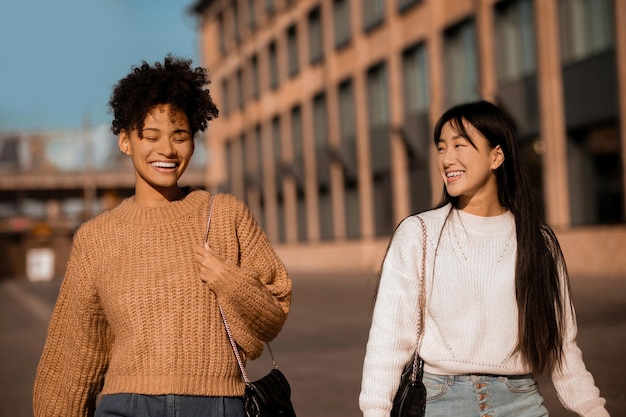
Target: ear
x,y
123,142
497,157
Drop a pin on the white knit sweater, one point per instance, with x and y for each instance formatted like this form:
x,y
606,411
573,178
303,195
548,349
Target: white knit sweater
x,y
471,313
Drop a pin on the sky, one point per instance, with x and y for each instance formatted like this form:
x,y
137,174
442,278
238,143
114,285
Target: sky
x,y
59,59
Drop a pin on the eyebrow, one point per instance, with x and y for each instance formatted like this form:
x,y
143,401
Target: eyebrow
x,y
181,130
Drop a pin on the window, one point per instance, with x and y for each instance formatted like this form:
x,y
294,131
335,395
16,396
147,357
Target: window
x,y
595,175
416,127
252,21
225,97
341,23
297,169
461,64
316,41
221,33
378,114
586,28
270,7
273,62
415,74
254,68
277,147
346,156
239,78
377,96
292,50
404,5
373,14
514,40
320,132
235,17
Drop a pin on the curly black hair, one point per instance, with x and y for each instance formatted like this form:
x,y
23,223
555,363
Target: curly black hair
x,y
172,82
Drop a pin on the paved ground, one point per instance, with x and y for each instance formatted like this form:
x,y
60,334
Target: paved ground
x,y
322,345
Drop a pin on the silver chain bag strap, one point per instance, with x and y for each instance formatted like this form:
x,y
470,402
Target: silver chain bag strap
x,y
410,399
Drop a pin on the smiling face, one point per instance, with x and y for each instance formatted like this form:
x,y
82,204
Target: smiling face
x,y
160,154
468,170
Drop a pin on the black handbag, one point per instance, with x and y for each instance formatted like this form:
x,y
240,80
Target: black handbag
x,y
269,396
410,399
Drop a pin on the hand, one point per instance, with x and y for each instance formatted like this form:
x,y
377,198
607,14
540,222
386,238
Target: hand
x,y
209,264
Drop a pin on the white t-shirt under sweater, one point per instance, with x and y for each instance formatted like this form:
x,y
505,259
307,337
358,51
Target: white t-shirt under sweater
x,y
470,325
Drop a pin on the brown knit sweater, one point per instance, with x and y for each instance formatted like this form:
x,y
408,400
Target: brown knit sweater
x,y
133,315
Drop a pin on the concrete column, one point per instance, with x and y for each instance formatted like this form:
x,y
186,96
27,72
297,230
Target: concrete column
x,y
364,165
310,173
552,114
486,49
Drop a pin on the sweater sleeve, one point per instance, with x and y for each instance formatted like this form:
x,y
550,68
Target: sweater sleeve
x,y
393,332
254,290
574,384
76,353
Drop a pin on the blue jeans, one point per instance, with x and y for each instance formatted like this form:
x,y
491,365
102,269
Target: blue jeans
x,y
483,396
138,405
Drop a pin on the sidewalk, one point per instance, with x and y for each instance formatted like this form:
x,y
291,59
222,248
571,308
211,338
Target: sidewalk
x,y
321,348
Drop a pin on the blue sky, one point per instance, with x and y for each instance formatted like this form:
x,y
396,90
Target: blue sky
x,y
59,59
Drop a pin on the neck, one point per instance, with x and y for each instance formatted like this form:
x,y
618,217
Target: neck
x,y
158,196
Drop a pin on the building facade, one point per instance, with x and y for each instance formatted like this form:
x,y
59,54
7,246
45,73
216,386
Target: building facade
x,y
327,107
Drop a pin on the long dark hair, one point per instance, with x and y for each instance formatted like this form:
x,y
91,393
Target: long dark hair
x,y
540,260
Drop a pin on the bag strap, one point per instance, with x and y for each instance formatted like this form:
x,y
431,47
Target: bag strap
x,y
244,374
418,362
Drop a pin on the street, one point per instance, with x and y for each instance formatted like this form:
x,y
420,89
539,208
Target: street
x,y
321,348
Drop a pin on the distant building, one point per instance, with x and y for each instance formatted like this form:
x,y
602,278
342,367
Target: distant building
x,y
326,110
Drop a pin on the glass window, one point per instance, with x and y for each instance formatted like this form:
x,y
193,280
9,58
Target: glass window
x,y
347,158
273,62
595,175
316,41
225,97
277,147
320,131
297,168
514,40
461,64
221,33
239,78
415,74
373,14
292,50
270,7
341,23
236,26
586,28
378,114
404,5
254,68
377,96
252,21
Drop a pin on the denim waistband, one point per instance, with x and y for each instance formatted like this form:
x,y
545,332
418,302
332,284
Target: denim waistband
x,y
480,377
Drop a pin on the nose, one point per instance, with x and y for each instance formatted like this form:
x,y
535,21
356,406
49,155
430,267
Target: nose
x,y
166,148
447,157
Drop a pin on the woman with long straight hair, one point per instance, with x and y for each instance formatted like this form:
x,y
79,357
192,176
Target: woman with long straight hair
x,y
498,310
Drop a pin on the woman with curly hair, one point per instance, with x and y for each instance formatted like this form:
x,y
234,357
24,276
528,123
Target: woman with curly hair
x,y
136,330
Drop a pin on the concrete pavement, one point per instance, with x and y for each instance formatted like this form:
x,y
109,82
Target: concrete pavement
x,y
322,346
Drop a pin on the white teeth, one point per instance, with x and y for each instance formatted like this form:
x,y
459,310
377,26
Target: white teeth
x,y
454,174
164,164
